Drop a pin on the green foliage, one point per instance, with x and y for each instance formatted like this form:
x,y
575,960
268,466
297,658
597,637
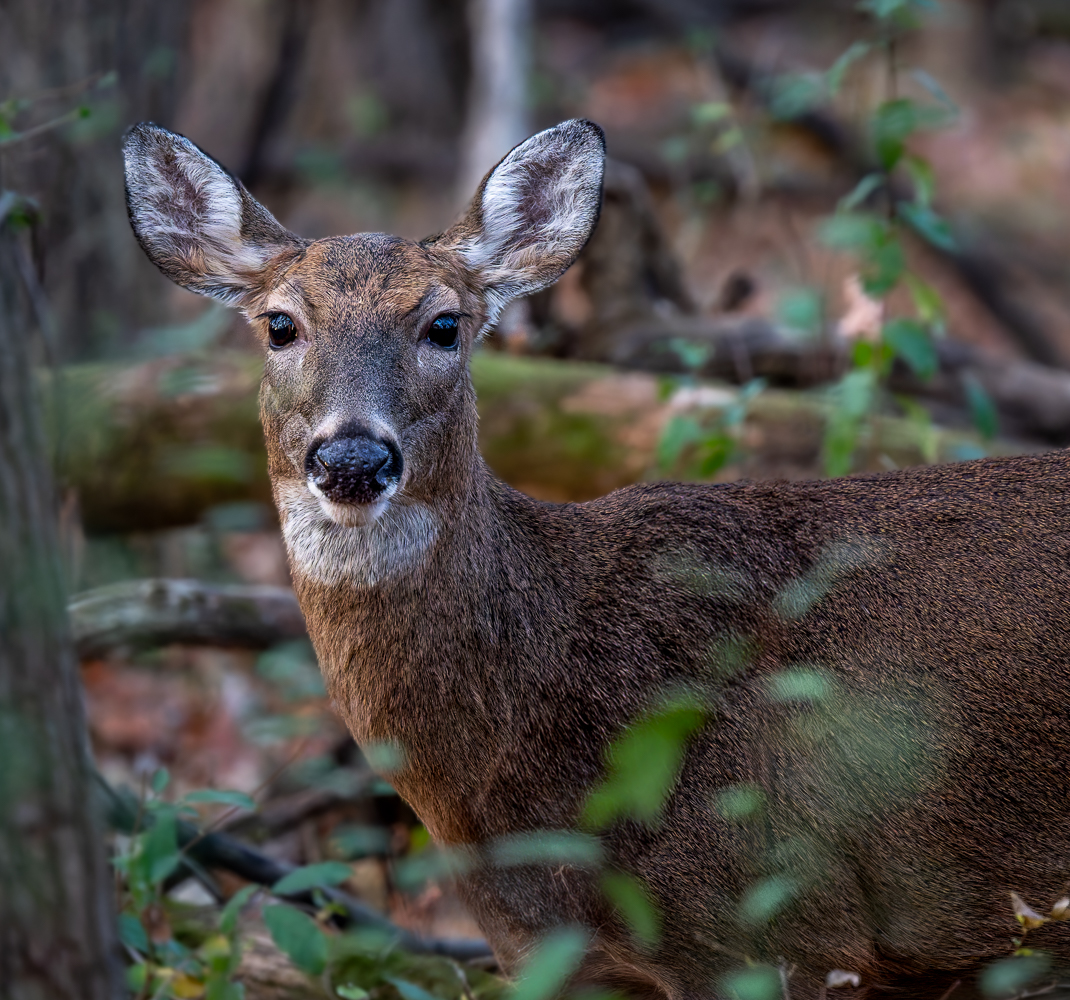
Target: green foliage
x,y
551,965
548,847
766,898
165,963
299,936
871,223
761,982
632,901
1007,978
910,341
982,409
739,803
219,797
702,445
643,765
326,873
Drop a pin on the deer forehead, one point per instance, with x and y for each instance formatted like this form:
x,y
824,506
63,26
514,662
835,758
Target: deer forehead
x,y
370,276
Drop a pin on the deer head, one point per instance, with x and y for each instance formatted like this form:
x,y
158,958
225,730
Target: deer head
x,y
367,402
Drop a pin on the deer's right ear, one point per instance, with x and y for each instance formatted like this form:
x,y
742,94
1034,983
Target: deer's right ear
x,y
195,220
532,214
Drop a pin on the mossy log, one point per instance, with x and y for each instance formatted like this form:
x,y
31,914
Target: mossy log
x,y
158,444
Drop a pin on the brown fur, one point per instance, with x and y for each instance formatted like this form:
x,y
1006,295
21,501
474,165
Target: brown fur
x,y
929,783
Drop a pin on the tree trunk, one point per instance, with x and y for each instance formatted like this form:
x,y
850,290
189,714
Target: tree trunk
x,y
57,937
497,114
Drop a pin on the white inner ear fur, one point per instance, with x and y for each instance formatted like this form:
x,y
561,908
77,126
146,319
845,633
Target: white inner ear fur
x,y
184,203
538,208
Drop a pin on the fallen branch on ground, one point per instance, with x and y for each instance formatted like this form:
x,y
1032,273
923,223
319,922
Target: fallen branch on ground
x,y
218,850
141,614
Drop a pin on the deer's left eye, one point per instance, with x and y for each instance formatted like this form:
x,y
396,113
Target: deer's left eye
x,y
444,332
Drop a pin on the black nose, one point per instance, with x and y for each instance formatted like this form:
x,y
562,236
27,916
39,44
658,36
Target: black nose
x,y
354,468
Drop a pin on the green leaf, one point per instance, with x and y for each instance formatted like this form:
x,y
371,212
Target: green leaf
x,y
896,121
798,684
351,993
710,112
927,301
795,95
857,231
160,780
875,242
679,432
692,356
160,848
921,173
548,847
759,983
228,919
716,451
862,190
298,935
932,85
410,991
312,877
132,933
982,409
221,797
739,802
928,225
765,899
220,988
643,766
137,977
834,77
633,902
886,10
852,398
883,268
911,342
1011,976
801,309
555,959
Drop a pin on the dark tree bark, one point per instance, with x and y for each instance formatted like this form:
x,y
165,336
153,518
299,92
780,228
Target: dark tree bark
x,y
57,937
124,61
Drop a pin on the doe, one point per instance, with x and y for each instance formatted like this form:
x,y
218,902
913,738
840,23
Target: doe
x,y
883,662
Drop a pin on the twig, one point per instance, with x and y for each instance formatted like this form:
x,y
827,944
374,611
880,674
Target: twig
x,y
234,810
951,989
13,140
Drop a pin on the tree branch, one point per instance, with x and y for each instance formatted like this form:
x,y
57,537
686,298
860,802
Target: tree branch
x,y
141,614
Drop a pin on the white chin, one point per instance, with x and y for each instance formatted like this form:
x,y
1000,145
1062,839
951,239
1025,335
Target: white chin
x,y
353,515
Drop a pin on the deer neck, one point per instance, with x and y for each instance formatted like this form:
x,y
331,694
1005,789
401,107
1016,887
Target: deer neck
x,y
399,616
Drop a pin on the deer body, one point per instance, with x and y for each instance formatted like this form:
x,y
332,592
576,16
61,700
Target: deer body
x,y
502,644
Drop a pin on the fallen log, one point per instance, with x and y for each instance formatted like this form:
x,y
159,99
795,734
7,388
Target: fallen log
x,y
141,614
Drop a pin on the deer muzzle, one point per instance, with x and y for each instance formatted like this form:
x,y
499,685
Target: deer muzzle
x,y
353,468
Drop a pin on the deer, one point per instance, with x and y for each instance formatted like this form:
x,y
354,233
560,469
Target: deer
x,y
883,660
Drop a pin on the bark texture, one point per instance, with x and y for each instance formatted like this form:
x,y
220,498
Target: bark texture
x,y
57,938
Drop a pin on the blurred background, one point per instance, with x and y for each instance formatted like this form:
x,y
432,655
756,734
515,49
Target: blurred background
x,y
836,238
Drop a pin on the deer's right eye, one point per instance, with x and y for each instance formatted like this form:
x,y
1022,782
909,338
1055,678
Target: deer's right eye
x,y
282,331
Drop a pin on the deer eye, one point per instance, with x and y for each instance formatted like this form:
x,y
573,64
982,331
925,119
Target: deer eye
x,y
282,331
443,332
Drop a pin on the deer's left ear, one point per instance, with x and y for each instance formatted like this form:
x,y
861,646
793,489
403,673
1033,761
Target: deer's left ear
x,y
532,214
195,220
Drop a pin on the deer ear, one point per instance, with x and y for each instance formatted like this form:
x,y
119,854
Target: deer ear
x,y
194,219
533,213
